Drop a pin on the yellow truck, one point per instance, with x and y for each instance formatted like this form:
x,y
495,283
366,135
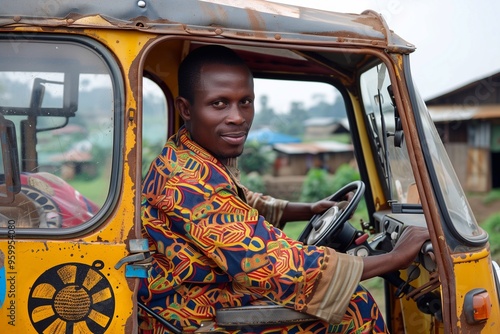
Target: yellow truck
x,y
87,88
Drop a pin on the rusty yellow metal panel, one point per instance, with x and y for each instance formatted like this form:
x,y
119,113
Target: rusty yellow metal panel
x,y
64,287
474,270
379,198
69,285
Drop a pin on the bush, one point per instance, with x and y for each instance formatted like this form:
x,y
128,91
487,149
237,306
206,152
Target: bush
x,y
316,185
343,175
319,184
256,158
493,195
492,226
254,182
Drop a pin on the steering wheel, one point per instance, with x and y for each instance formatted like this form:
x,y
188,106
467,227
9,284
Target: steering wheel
x,y
322,229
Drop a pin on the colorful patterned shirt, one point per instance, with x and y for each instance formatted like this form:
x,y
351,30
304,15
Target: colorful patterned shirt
x,y
211,249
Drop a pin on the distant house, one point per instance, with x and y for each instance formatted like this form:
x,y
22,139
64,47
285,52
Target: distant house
x,y
323,127
299,158
73,156
468,120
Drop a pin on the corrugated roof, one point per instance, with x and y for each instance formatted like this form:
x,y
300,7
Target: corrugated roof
x,y
447,113
313,147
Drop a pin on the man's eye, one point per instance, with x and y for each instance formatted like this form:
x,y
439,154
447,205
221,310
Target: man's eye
x,y
218,104
247,101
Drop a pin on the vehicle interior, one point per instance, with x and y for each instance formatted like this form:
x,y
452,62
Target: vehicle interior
x,y
363,84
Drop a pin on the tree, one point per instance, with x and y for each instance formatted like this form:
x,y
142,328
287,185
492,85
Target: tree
x,y
256,158
265,116
293,122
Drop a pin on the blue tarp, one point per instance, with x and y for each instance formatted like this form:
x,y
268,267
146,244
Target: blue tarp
x,y
267,136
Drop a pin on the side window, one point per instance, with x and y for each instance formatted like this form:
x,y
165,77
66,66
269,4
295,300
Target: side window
x,y
155,121
60,97
299,143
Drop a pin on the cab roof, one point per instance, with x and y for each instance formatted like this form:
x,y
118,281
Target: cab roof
x,y
235,19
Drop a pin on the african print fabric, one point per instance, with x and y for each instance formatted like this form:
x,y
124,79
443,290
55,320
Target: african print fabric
x,y
212,250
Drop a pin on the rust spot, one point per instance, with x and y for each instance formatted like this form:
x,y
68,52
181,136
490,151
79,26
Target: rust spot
x,y
218,31
17,18
277,37
257,23
372,21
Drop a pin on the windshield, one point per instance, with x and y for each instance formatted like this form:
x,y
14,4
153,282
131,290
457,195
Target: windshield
x,y
387,136
389,143
458,214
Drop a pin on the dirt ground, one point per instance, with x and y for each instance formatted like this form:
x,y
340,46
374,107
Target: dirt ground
x,y
481,209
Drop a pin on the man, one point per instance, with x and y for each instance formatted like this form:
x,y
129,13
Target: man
x,y
212,248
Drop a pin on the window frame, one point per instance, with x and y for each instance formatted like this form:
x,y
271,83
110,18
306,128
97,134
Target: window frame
x,y
116,77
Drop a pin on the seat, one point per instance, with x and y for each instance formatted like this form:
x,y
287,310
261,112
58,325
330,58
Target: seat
x,y
259,315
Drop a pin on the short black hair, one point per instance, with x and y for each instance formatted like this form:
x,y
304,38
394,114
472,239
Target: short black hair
x,y
189,70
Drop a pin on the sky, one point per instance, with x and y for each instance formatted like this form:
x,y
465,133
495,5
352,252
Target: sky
x,y
457,40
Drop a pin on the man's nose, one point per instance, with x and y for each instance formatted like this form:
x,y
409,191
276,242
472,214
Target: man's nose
x,y
235,115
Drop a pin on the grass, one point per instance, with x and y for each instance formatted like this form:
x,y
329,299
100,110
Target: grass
x,y
95,189
492,196
294,229
374,285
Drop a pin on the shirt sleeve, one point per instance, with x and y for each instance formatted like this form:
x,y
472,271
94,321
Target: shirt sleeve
x,y
269,207
335,287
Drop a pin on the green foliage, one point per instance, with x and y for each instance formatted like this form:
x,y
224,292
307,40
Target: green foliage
x,y
256,158
96,189
493,195
149,152
254,182
319,184
294,229
492,226
316,185
292,123
343,175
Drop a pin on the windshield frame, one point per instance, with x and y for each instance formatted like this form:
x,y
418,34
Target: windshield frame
x,y
456,236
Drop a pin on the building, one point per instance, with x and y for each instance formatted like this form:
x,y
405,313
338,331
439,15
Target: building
x,y
299,158
468,120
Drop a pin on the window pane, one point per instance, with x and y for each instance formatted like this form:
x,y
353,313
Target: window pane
x,y
155,122
60,97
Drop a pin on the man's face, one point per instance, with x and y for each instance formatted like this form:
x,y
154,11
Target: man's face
x,y
222,111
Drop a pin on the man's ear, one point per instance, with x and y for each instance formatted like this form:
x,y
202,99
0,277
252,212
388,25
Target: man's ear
x,y
183,107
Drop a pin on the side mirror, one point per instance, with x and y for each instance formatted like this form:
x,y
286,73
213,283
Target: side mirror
x,y
10,179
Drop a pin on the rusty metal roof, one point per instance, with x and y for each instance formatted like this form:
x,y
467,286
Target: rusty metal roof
x,y
241,19
448,113
313,147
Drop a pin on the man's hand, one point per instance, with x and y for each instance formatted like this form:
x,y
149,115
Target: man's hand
x,y
321,206
409,244
325,204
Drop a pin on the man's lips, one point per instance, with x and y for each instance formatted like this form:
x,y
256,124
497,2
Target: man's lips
x,y
234,138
